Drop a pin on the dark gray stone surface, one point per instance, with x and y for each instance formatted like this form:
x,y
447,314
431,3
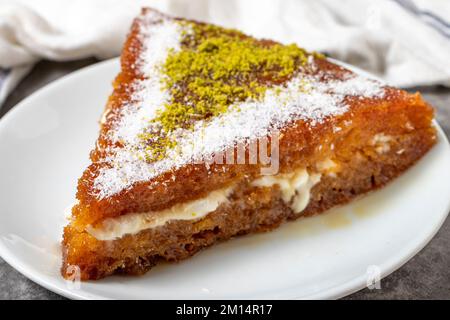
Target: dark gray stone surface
x,y
426,276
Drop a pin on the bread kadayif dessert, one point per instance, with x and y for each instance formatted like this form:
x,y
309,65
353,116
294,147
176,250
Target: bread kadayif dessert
x,y
210,134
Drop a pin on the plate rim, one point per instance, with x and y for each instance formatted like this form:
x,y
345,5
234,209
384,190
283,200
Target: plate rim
x,y
335,292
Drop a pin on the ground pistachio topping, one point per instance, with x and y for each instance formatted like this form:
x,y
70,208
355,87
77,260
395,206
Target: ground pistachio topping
x,y
216,68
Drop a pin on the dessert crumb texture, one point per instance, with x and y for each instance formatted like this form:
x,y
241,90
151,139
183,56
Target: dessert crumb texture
x,y
205,88
189,91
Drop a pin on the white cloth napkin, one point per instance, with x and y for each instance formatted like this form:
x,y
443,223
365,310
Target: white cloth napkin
x,y
405,42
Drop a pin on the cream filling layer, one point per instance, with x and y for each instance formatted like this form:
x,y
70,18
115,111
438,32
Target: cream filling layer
x,y
295,189
114,228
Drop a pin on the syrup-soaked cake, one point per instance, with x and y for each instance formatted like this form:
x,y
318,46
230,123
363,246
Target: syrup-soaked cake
x,y
210,133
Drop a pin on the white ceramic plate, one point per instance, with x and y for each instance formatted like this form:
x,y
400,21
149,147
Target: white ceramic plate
x,y
44,147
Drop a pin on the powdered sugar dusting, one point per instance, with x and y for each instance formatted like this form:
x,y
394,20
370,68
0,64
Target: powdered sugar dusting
x,y
303,97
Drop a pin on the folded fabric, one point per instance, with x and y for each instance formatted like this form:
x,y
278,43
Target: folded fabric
x,y
405,43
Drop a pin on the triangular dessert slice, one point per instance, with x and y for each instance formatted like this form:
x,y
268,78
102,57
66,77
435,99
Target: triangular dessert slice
x,y
210,133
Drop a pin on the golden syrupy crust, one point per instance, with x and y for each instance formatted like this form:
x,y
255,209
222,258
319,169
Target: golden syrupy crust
x,y
360,169
347,139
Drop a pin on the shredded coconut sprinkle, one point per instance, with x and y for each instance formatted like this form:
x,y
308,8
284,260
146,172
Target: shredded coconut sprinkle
x,y
303,97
